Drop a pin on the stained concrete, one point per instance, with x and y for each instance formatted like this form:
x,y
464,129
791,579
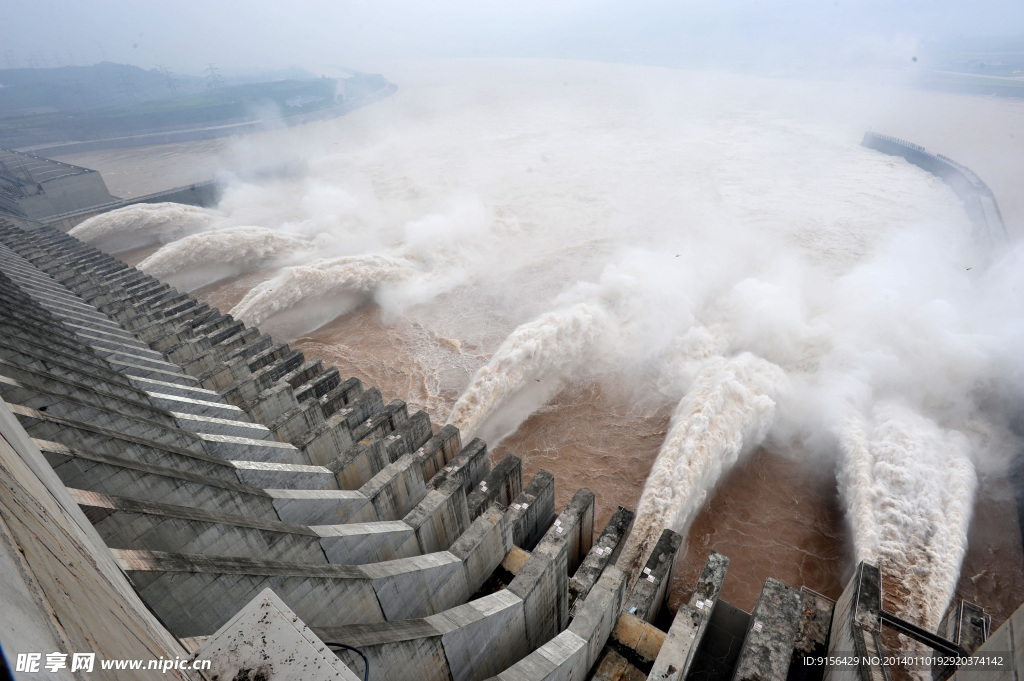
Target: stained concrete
x,y
605,550
648,594
220,464
690,624
543,582
267,640
854,628
61,589
1004,651
572,653
768,647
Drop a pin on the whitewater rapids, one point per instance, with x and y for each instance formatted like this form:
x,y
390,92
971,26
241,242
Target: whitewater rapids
x,y
544,350
358,274
143,224
726,413
203,258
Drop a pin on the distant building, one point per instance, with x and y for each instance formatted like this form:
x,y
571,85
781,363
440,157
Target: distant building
x,y
36,188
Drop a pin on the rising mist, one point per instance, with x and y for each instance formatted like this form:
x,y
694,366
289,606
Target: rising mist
x,y
716,243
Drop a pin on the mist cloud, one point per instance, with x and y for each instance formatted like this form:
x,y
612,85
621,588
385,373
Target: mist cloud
x,y
318,34
720,244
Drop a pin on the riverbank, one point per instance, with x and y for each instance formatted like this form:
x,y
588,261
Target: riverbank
x,y
213,131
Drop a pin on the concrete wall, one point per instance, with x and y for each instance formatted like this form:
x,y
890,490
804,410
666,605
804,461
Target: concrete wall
x,y
189,440
855,629
572,653
1004,651
60,589
481,638
65,194
979,202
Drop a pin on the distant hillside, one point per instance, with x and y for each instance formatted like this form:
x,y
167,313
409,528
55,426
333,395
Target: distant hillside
x,y
974,84
74,88
45,106
992,56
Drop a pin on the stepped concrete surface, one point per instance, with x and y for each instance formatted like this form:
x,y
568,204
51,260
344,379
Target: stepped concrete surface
x,y
60,589
172,477
268,639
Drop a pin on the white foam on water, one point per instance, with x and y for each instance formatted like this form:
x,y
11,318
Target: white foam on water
x,y
727,412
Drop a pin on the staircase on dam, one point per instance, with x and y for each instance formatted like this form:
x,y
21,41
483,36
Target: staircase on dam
x,y
241,490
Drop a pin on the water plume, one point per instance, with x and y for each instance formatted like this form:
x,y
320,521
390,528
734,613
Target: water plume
x,y
543,351
908,486
726,413
741,204
143,224
203,258
322,279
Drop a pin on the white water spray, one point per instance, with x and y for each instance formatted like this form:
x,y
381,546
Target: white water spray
x,y
323,278
908,486
143,224
726,413
200,259
542,351
755,207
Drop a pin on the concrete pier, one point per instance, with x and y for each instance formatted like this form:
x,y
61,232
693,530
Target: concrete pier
x,y
1003,654
648,593
768,647
691,622
247,491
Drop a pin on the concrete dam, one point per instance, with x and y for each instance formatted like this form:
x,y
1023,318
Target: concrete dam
x,y
979,201
180,488
50,192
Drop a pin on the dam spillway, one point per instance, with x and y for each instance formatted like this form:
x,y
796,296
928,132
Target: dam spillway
x,y
215,464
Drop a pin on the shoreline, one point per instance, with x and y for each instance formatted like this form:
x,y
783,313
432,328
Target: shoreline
x,y
210,132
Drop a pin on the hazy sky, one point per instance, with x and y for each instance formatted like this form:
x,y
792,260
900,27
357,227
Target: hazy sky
x,y
185,35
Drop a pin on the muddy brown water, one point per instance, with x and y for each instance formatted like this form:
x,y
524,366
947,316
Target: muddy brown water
x,y
772,515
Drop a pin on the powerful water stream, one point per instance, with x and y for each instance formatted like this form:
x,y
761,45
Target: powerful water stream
x,y
628,274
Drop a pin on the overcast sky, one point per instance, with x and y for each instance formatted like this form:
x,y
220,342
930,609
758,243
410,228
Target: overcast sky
x,y
185,35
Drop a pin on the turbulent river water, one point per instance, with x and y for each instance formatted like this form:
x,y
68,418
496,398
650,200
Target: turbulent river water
x,y
692,293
